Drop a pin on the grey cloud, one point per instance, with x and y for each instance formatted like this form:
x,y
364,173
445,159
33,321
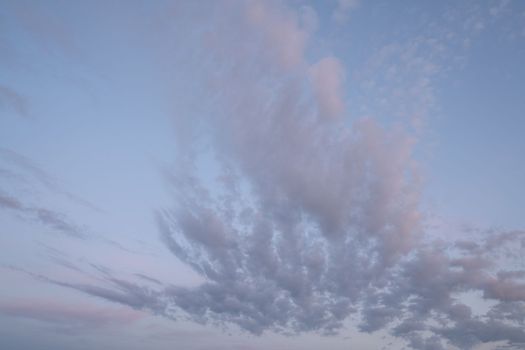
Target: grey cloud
x,y
57,221
425,292
148,278
52,219
469,333
10,203
23,169
23,178
11,100
23,163
114,289
60,258
121,292
50,32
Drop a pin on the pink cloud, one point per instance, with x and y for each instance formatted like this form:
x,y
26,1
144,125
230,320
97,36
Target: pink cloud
x,y
281,31
327,78
70,314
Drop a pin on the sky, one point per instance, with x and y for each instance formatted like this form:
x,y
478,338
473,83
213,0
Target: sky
x,y
259,175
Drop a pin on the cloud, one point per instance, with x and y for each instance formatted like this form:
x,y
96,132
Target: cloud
x,y
52,219
11,100
20,163
22,169
46,26
296,224
113,289
426,290
77,315
148,278
344,7
417,299
305,215
121,292
327,79
23,178
281,29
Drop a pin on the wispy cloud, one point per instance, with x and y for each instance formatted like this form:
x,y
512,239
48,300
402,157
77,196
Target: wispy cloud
x,y
12,101
114,289
52,219
21,168
343,8
69,317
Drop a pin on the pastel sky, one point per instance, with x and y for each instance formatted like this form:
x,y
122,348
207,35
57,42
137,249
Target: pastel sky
x,y
260,175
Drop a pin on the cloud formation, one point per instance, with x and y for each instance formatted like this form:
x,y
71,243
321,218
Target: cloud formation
x,y
298,217
305,220
308,211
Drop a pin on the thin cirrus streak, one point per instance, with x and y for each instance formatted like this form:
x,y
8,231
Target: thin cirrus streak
x,y
85,315
19,168
50,218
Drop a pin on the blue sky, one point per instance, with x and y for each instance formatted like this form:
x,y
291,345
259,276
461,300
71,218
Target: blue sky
x,y
262,174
